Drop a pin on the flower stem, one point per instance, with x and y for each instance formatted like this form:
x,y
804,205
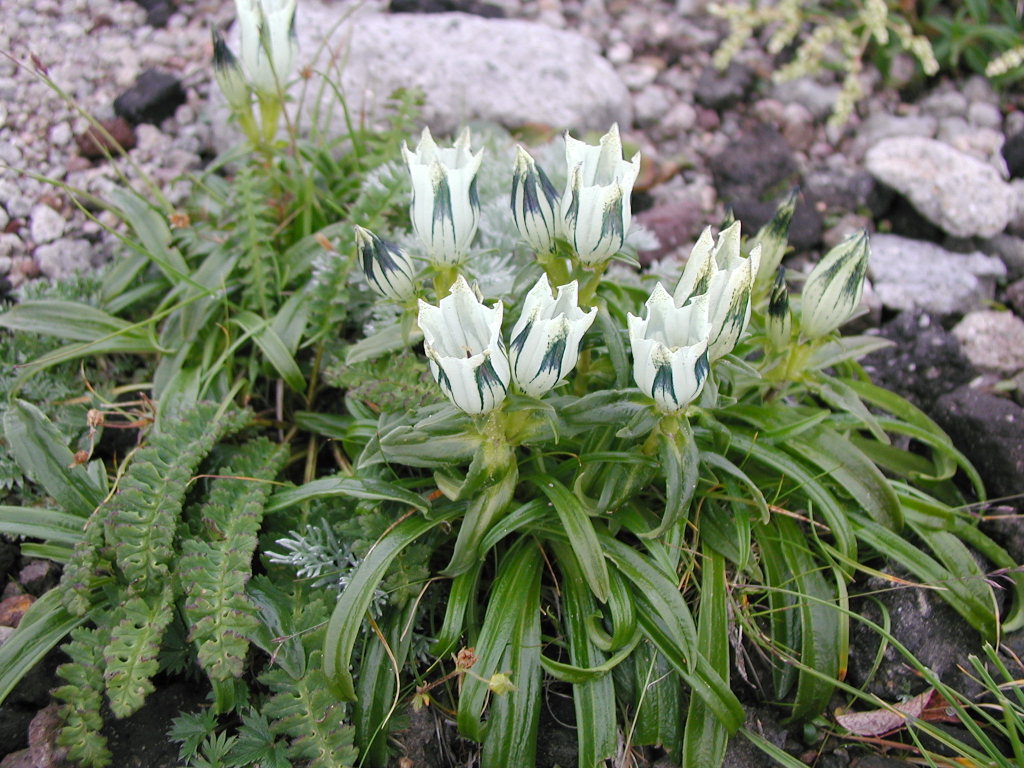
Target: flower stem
x,y
589,287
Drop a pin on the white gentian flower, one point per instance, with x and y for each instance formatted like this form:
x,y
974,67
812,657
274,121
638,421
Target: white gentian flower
x,y
726,278
388,269
595,205
462,340
445,207
779,321
267,37
535,204
834,287
546,339
230,78
670,349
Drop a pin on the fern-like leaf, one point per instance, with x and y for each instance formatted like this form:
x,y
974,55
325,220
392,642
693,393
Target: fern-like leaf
x,y
88,563
131,654
255,230
305,711
214,573
144,513
82,697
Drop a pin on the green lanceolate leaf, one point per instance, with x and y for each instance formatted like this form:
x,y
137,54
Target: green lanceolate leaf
x,y
511,737
593,698
680,464
717,461
460,599
657,716
382,660
153,232
47,524
820,634
44,625
346,620
825,503
580,530
513,592
495,472
273,348
42,454
670,626
66,320
349,487
705,737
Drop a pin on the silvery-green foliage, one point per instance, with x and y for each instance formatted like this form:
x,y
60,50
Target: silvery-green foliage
x,y
319,556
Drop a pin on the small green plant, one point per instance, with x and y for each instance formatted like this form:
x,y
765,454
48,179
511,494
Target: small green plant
x,y
599,531
983,35
489,458
831,35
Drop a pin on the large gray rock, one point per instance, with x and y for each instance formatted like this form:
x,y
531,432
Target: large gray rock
x,y
469,68
915,274
955,191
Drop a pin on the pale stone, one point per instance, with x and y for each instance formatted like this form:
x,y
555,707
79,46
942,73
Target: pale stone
x,y
955,191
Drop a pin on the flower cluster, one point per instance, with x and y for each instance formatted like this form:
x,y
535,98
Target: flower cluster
x,y
462,340
674,345
266,33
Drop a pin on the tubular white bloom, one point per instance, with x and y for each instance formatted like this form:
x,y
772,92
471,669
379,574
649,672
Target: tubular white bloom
x,y
670,357
595,205
779,321
268,42
388,269
834,287
228,73
445,208
462,340
547,337
726,278
536,208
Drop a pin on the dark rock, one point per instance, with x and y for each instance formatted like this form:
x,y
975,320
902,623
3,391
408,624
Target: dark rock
x,y
141,739
721,90
95,143
9,554
990,432
14,722
879,761
964,736
556,730
673,223
904,220
487,10
157,11
839,191
152,99
424,741
1015,297
33,690
925,625
1008,531
1013,153
925,363
804,230
742,753
38,576
755,166
43,751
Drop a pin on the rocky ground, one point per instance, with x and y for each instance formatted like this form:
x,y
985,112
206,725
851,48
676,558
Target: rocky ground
x,y
931,168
